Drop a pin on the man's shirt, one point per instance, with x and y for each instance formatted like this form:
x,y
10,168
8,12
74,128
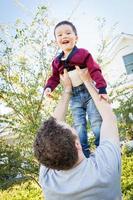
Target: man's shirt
x,y
95,178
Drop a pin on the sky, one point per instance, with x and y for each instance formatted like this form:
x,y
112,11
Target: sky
x,y
83,14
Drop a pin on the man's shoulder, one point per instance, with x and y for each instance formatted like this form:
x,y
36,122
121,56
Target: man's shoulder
x,y
112,146
108,155
42,173
43,169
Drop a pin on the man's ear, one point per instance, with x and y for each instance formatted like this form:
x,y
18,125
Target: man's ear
x,y
78,145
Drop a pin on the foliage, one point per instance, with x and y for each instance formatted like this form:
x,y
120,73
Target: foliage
x,y
127,150
26,190
122,96
127,177
9,161
25,58
14,167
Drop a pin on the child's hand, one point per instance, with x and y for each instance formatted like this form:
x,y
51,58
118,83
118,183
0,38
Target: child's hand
x,y
47,92
105,97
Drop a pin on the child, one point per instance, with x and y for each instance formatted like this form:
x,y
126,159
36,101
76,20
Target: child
x,y
81,102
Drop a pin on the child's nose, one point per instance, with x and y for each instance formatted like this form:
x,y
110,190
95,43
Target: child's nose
x,y
64,36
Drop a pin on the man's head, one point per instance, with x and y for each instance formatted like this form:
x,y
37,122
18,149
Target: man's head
x,y
55,145
65,35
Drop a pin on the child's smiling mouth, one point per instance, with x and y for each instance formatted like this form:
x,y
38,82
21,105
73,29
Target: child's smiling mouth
x,y
65,42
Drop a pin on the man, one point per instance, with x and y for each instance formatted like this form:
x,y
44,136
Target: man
x,y
65,173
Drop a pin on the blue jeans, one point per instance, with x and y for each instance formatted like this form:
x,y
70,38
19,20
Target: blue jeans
x,y
82,106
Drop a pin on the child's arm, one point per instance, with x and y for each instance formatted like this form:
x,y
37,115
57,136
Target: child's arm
x,y
53,81
96,74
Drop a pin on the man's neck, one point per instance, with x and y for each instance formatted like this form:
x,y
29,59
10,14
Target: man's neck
x,y
81,157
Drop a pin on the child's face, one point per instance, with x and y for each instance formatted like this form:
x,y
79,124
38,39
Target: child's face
x,y
65,38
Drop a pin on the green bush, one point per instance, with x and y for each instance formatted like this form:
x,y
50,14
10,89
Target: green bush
x,y
28,190
127,177
15,167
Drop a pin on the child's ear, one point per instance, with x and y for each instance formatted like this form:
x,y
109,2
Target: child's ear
x,y
77,38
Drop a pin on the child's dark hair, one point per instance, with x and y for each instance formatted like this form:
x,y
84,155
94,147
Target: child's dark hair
x,y
66,23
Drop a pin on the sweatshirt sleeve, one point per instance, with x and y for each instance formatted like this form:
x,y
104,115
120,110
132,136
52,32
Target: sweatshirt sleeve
x,y
96,74
54,79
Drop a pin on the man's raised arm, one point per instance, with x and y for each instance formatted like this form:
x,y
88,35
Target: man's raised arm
x,y
109,128
61,108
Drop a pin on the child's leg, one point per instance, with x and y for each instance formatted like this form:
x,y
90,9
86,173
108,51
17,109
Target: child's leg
x,y
79,116
95,120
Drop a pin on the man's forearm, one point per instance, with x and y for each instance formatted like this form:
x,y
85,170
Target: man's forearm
x,y
109,125
102,105
61,108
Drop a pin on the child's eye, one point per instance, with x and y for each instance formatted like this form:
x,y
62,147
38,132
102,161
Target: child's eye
x,y
58,35
68,33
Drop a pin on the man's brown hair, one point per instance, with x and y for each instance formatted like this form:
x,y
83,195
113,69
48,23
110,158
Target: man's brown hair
x,y
54,146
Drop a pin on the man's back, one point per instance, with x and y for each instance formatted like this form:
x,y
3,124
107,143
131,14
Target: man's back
x,y
96,178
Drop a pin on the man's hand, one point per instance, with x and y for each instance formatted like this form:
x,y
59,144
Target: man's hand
x,y
84,75
66,82
105,97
